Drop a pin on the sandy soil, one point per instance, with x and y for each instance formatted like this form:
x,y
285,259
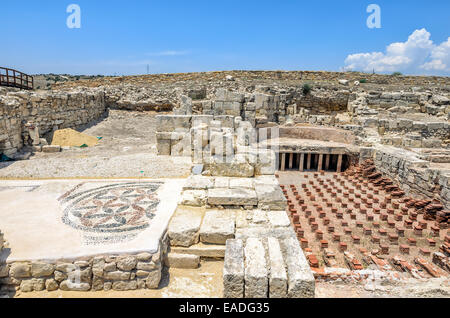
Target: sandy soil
x,y
127,149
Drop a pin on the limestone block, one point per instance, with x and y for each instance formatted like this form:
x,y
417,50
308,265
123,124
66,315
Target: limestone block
x,y
194,197
51,149
239,196
117,275
278,219
256,271
233,270
127,263
198,182
20,270
217,228
51,284
168,123
278,276
222,182
270,197
153,279
201,250
163,147
41,269
67,285
124,285
187,261
235,168
236,183
184,227
301,283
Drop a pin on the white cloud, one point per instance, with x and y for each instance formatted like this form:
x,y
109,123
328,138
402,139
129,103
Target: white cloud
x,y
417,55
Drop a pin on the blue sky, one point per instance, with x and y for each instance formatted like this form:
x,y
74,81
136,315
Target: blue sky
x,y
123,37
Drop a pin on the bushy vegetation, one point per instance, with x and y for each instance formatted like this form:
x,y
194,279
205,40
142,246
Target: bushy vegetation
x,y
397,74
363,80
306,89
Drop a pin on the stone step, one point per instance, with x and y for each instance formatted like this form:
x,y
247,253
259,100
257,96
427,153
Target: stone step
x,y
232,197
217,228
184,227
185,261
205,251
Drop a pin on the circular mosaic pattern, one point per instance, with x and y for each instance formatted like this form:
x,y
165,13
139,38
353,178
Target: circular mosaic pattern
x,y
116,208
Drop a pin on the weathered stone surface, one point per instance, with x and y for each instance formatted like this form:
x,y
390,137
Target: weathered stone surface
x,y
188,261
240,196
194,198
238,183
278,276
51,284
256,271
233,270
270,197
153,279
202,250
41,269
124,285
51,149
184,227
198,182
126,263
301,283
20,270
146,266
216,228
66,285
278,218
117,275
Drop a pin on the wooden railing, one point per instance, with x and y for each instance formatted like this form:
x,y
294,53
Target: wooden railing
x,y
13,78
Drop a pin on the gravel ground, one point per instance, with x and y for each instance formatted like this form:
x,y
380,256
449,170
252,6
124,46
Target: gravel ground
x,y
411,288
128,150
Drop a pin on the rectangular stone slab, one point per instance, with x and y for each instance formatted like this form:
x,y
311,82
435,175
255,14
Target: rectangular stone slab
x,y
301,283
184,227
270,197
278,277
256,271
217,228
233,270
232,197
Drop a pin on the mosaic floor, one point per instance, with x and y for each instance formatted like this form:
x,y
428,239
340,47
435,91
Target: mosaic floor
x,y
345,221
75,218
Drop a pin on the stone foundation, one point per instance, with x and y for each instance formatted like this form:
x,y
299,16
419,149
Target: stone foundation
x,y
102,272
47,111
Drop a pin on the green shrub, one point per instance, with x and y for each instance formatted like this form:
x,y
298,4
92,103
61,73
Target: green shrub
x,y
306,89
363,80
397,74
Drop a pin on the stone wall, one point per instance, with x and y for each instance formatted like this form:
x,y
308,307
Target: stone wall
x,y
103,272
415,176
46,110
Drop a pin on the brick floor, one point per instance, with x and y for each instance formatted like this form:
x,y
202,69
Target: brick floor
x,y
344,216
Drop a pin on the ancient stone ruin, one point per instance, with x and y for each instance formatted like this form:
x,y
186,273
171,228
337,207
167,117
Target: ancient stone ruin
x,y
286,179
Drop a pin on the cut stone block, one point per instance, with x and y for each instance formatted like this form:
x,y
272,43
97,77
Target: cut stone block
x,y
237,183
278,218
256,271
222,182
51,149
232,197
184,227
194,198
233,270
217,228
202,250
198,183
168,123
301,283
187,261
270,197
278,276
